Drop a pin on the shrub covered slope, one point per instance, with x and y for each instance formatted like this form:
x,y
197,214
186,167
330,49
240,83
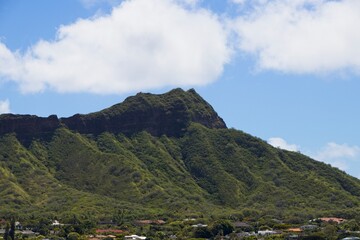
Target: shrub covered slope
x,y
168,154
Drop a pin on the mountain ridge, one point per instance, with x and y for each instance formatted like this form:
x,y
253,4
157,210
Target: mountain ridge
x,y
126,117
174,157
175,110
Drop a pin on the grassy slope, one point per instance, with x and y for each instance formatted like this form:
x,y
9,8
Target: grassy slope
x,y
201,171
244,171
222,170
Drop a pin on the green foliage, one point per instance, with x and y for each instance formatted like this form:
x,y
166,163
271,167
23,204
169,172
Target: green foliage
x,y
73,236
6,233
12,229
221,228
351,225
206,170
202,232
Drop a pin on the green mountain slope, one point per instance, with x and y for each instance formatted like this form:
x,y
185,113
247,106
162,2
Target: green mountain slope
x,y
167,154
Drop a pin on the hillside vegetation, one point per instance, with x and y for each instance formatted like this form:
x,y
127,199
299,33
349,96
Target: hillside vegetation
x,y
160,155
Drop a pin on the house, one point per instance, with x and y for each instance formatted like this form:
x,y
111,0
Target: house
x,y
18,226
96,237
199,225
158,222
267,232
100,237
332,219
143,222
148,222
294,230
29,233
241,225
309,227
56,223
135,237
244,234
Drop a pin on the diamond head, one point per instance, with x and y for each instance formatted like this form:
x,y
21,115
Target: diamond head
x,y
157,156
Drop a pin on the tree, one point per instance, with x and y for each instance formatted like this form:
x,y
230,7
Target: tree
x,y
12,229
119,217
202,232
43,226
222,228
330,231
351,225
6,234
73,236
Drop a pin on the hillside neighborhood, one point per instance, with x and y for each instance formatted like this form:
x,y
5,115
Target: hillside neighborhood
x,y
189,228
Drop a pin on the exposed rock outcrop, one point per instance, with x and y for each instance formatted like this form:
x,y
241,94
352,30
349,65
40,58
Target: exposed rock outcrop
x,y
27,127
167,114
164,114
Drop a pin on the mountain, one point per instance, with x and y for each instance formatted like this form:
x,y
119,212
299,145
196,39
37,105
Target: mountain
x,y
167,114
160,155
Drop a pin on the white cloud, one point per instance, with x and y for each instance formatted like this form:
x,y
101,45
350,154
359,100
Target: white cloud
x,y
333,151
302,36
4,106
338,155
281,143
238,1
189,2
342,156
141,45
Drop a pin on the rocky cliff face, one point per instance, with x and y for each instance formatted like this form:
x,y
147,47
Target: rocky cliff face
x,y
165,114
27,127
156,121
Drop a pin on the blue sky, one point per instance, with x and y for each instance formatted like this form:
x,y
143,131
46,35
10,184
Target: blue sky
x,y
286,71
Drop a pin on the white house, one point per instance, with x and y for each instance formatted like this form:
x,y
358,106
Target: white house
x,y
199,225
266,232
135,237
56,223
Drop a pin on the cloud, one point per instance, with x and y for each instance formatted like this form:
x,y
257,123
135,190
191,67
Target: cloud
x,y
281,143
238,1
189,2
342,156
141,45
301,36
338,155
4,106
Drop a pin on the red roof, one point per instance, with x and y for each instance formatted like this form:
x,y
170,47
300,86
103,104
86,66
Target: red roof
x,y
144,221
332,219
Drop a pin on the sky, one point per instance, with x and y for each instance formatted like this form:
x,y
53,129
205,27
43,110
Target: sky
x,y
286,71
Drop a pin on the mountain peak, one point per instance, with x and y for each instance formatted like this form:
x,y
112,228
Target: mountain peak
x,y
169,113
159,114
